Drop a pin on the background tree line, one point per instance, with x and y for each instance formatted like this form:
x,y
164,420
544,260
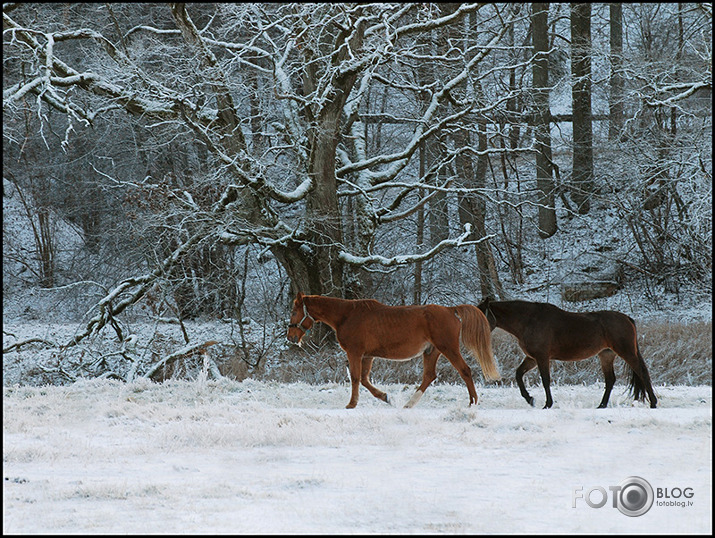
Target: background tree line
x,y
215,158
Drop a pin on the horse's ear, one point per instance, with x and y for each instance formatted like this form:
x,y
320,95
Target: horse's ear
x,y
299,296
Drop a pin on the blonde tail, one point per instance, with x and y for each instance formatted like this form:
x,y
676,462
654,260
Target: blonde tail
x,y
476,338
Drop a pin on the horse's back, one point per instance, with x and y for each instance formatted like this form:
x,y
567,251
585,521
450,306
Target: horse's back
x,y
547,316
393,331
613,317
383,319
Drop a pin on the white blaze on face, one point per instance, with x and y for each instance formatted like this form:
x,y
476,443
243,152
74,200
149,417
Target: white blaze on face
x,y
415,398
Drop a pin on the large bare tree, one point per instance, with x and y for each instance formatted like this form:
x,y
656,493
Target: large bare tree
x,y
282,158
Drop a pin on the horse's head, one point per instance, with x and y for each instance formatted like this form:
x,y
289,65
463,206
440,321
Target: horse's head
x,y
300,321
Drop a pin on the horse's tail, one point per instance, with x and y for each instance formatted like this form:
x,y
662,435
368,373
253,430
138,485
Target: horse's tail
x,y
476,338
636,384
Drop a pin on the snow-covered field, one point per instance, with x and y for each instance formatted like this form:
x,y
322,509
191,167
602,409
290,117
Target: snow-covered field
x,y
263,457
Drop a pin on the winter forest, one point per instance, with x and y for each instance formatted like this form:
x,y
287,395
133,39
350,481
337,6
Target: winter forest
x,y
174,174
176,163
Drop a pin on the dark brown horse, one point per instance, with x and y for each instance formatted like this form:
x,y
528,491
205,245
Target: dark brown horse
x,y
546,333
366,329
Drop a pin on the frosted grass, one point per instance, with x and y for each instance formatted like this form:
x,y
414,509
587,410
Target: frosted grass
x,y
264,457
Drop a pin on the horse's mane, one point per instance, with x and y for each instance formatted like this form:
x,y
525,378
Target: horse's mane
x,y
370,304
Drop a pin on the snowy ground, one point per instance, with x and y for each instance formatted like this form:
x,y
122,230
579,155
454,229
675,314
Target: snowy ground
x,y
261,457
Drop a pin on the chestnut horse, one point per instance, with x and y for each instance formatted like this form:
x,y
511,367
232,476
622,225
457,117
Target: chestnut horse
x,y
545,333
366,329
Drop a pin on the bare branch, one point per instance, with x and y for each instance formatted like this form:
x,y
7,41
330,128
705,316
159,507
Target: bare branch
x,y
18,345
186,350
412,258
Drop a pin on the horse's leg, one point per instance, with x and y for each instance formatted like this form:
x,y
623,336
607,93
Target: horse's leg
x,y
607,357
455,357
527,365
544,369
429,374
355,365
365,378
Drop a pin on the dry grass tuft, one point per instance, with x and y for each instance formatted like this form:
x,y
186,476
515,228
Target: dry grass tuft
x,y
677,353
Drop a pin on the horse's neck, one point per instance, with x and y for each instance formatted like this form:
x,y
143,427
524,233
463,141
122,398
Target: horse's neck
x,y
508,319
329,310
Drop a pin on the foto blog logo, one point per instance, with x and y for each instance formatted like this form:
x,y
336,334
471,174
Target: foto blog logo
x,y
632,497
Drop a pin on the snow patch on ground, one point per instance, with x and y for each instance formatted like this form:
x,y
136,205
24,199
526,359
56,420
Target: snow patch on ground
x,y
264,457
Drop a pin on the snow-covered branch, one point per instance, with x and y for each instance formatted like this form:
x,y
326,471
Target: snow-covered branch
x,y
133,289
186,350
399,160
18,345
405,259
257,182
685,89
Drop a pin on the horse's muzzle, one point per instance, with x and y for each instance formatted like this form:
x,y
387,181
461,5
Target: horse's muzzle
x,y
294,339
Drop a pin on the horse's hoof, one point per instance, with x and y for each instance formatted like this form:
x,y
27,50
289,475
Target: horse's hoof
x,y
350,406
387,400
547,406
415,398
531,401
602,406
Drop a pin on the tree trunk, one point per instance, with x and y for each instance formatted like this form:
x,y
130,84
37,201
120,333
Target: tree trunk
x,y
582,171
46,249
323,222
473,209
419,240
544,177
314,266
615,103
512,104
437,207
472,206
